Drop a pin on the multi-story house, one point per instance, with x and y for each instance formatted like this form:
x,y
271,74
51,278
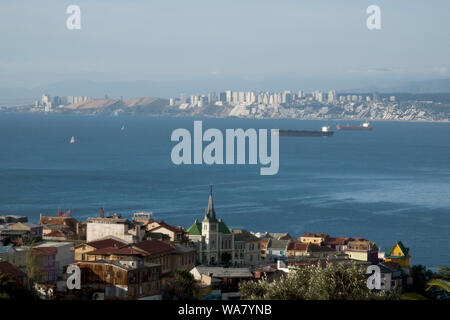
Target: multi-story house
x,y
33,230
110,241
276,249
299,250
263,243
362,250
64,255
169,257
183,258
114,225
113,279
62,227
399,254
247,248
213,241
339,243
315,238
393,278
176,234
45,262
6,253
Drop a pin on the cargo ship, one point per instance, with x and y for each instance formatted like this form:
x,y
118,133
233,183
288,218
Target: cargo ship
x,y
325,132
364,126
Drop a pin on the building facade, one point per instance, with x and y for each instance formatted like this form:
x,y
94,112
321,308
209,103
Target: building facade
x,y
213,241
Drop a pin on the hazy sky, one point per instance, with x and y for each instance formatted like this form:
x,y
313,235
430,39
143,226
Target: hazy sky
x,y
254,39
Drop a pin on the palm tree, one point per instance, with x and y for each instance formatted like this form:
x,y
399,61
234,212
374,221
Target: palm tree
x,y
440,281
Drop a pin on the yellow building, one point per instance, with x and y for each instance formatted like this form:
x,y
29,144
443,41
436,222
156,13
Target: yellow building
x,y
400,254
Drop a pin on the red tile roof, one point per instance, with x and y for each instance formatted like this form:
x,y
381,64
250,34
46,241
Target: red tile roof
x,y
337,241
391,265
154,246
45,250
117,251
106,243
316,235
62,221
8,268
298,246
162,224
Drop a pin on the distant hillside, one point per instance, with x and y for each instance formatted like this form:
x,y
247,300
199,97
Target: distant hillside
x,y
133,105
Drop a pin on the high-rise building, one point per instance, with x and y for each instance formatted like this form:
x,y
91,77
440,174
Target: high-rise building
x,y
183,98
319,96
332,96
223,96
212,97
229,94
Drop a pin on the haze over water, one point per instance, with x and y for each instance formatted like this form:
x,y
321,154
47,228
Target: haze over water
x,y
386,185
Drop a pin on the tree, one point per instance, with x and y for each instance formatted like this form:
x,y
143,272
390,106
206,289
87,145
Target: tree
x,y
420,276
226,258
4,286
439,285
10,291
32,267
183,287
333,282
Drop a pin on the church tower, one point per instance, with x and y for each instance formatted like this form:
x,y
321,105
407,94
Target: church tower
x,y
210,231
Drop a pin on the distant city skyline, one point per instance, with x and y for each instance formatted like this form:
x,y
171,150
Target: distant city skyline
x,y
325,44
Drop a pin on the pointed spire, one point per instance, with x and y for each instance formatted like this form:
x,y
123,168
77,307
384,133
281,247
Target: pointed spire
x,y
210,214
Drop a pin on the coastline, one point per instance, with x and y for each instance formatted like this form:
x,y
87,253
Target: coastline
x,y
229,117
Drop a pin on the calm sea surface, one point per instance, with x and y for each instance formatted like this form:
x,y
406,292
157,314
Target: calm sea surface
x,y
386,185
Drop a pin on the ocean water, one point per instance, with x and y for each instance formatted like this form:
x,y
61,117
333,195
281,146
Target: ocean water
x,y
390,184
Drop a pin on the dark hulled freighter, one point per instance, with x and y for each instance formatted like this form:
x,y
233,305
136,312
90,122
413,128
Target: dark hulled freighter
x,y
325,132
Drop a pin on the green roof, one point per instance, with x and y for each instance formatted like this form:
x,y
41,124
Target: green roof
x,y
195,229
404,249
223,227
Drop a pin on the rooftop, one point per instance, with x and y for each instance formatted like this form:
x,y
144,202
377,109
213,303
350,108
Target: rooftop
x,y
154,246
107,242
244,235
6,267
219,272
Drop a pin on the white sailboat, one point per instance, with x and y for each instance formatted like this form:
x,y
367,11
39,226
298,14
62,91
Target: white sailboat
x,y
72,140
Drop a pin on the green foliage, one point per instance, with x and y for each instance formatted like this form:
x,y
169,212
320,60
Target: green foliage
x,y
443,274
8,290
183,286
32,241
420,276
32,267
439,286
226,258
4,283
333,282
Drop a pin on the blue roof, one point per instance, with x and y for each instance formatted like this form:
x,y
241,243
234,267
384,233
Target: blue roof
x,y
5,249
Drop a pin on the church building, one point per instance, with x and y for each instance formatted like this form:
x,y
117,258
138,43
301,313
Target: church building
x,y
213,240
